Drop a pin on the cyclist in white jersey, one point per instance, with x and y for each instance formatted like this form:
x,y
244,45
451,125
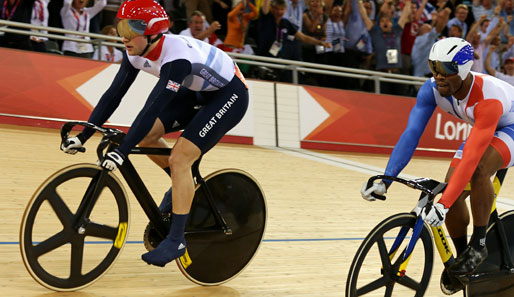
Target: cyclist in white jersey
x,y
200,90
484,102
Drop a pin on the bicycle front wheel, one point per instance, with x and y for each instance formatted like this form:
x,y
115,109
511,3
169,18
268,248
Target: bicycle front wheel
x,y
374,269
53,236
217,257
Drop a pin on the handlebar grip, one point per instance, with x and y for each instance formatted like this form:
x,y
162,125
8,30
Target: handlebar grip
x,y
376,196
379,197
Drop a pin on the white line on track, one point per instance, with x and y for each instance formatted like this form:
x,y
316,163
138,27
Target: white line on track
x,y
503,203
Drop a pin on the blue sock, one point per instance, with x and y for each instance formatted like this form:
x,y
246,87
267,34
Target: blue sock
x,y
178,225
166,203
172,247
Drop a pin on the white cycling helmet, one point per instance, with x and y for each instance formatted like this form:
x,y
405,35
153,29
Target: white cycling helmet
x,y
451,56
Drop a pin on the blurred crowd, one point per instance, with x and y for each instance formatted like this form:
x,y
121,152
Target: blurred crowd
x,y
392,36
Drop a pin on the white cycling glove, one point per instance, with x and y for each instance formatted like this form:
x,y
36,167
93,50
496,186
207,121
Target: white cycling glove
x,y
113,160
71,145
434,214
378,188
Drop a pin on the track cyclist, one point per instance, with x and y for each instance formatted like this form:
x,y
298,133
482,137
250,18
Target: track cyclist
x,y
484,102
200,90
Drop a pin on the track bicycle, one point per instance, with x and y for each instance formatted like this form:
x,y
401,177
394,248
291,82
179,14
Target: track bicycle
x,y
404,241
76,223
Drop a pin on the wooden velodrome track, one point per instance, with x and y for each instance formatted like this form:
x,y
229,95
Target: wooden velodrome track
x,y
316,218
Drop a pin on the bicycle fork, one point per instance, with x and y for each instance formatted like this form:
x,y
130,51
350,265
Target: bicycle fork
x,y
442,245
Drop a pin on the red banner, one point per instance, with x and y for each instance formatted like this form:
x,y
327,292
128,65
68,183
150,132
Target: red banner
x,y
364,122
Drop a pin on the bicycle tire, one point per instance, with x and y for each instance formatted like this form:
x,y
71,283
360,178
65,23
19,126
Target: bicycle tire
x,y
54,191
215,256
491,278
387,277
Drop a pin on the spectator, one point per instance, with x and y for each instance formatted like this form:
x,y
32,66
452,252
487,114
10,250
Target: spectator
x,y
276,33
336,35
508,11
16,11
509,51
40,18
199,5
314,25
200,29
481,7
508,65
220,11
386,39
479,44
75,16
493,38
461,14
455,31
410,32
294,12
108,53
237,23
358,45
427,36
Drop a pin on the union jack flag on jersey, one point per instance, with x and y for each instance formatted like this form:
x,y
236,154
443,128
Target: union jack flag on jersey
x,y
173,86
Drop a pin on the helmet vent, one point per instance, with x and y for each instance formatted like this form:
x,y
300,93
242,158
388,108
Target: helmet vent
x,y
451,49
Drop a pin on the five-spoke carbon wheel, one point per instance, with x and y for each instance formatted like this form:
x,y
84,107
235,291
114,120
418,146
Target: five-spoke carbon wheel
x,y
375,271
69,235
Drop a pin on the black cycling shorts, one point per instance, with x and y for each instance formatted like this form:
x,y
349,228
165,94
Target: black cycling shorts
x,y
206,117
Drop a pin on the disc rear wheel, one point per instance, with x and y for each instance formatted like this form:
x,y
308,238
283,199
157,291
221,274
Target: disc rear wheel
x,y
217,257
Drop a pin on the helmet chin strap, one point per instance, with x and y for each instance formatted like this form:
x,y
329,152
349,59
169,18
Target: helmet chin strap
x,y
149,42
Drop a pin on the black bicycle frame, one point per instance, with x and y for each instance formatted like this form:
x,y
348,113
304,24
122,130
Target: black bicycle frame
x,y
145,199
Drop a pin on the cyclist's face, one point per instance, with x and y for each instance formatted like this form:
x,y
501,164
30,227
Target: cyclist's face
x,y
135,45
447,85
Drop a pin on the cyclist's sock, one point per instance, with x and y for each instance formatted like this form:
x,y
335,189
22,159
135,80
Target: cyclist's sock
x,y
478,239
460,244
166,203
172,247
178,225
167,170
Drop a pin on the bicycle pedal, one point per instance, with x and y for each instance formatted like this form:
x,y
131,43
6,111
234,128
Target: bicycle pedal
x,y
185,260
463,279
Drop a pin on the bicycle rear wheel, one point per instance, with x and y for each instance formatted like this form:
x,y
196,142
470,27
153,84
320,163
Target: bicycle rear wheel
x,y
492,278
217,257
53,237
375,272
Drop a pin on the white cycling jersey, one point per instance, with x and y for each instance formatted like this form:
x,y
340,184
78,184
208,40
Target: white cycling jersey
x,y
212,68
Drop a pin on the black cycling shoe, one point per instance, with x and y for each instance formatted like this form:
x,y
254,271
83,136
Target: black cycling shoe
x,y
450,285
165,206
468,261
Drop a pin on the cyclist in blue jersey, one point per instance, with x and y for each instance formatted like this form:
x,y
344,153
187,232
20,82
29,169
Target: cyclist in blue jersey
x,y
200,90
484,102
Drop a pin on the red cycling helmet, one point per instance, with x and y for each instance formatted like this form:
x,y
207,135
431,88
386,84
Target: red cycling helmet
x,y
141,17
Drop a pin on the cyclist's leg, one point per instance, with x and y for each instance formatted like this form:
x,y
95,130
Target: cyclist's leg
x,y
154,139
482,190
457,219
172,118
221,112
184,154
496,156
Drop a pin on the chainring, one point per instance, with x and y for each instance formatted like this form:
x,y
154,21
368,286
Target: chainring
x,y
151,237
